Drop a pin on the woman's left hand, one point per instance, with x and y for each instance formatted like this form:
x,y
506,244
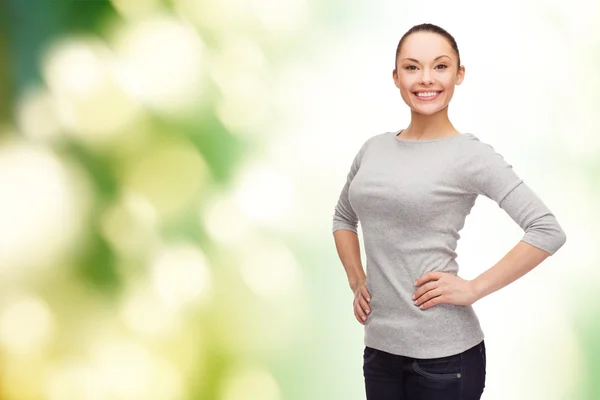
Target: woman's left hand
x,y
443,287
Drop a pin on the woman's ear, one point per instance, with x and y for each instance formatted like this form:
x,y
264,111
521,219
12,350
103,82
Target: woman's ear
x,y
460,75
395,77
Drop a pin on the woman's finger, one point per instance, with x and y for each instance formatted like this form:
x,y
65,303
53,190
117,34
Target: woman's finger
x,y
365,292
363,304
358,309
425,288
357,318
432,302
428,295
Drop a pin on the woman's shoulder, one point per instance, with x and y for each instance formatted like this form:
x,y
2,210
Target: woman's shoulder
x,y
476,155
473,145
381,136
378,137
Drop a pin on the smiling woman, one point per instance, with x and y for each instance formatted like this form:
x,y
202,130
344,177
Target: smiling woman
x,y
412,190
427,70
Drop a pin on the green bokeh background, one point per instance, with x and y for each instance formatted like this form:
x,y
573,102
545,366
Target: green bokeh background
x,y
168,172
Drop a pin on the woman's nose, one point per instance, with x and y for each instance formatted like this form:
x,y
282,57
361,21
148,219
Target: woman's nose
x,y
426,78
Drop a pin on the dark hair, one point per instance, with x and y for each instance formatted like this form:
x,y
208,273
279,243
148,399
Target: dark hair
x,y
428,28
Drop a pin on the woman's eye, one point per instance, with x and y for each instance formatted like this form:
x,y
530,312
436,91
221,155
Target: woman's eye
x,y
412,67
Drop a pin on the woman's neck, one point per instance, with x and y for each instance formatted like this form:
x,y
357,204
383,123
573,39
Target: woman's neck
x,y
426,127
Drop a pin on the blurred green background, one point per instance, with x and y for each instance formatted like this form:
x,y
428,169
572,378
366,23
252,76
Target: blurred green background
x,y
169,168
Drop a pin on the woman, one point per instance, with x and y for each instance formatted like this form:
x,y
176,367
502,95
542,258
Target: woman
x,y
412,190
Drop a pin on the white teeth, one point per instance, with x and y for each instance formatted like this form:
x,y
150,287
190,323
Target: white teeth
x,y
427,94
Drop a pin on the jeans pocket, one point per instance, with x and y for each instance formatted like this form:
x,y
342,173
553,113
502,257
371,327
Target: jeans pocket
x,y
369,354
439,368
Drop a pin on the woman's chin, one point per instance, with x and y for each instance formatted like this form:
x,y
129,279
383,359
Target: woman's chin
x,y
426,110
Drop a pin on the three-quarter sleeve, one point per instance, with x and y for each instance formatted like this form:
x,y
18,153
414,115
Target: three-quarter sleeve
x,y
486,172
542,230
344,216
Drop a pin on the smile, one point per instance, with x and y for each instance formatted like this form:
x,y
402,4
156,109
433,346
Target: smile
x,y
427,96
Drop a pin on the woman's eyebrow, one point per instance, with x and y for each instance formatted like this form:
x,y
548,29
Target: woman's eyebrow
x,y
438,57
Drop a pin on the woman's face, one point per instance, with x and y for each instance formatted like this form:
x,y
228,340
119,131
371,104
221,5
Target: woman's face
x,y
427,64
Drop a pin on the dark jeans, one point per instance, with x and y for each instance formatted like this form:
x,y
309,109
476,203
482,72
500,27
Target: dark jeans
x,y
395,377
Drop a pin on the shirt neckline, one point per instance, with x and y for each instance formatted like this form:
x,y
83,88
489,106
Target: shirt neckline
x,y
399,140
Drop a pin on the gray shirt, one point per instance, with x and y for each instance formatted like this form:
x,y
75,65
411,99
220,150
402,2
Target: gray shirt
x,y
412,198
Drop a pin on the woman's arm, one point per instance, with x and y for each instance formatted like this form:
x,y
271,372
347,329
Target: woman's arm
x,y
442,287
345,233
542,238
348,249
346,242
516,263
485,172
345,226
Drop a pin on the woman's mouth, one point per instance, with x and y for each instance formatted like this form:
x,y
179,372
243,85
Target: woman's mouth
x,y
427,96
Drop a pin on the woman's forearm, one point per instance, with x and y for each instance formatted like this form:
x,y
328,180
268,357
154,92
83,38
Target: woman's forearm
x,y
348,249
516,263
